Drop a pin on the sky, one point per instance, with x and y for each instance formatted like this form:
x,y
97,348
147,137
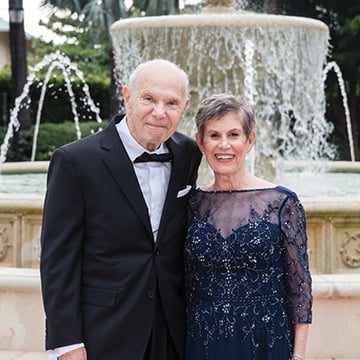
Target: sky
x,y
32,15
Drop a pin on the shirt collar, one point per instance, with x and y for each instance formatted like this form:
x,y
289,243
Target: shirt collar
x,y
133,148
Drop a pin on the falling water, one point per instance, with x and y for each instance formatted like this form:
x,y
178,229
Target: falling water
x,y
249,72
335,67
250,94
53,61
276,62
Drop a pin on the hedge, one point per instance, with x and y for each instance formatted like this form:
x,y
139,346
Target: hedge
x,y
50,137
57,106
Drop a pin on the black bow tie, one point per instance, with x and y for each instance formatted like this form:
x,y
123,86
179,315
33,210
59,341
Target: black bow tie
x,y
145,157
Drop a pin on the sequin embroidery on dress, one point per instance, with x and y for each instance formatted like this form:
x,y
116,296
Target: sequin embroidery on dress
x,y
247,275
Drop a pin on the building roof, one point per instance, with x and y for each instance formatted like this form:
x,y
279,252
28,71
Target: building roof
x,y
4,25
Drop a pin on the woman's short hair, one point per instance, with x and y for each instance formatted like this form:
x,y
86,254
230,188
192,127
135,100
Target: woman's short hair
x,y
216,106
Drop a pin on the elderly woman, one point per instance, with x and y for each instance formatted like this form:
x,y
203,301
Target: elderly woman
x,y
247,274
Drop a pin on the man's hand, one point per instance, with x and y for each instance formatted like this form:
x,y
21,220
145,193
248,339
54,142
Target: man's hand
x,y
77,354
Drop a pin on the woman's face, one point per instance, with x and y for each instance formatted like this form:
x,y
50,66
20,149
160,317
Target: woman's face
x,y
225,144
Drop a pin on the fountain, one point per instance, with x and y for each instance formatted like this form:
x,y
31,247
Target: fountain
x,y
12,178
68,69
278,64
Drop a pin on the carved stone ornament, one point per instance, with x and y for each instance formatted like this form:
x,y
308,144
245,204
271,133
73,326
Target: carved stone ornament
x,y
350,251
4,244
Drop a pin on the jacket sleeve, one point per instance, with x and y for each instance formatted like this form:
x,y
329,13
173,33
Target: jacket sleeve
x,y
61,243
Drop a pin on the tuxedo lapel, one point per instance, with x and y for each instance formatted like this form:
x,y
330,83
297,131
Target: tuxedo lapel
x,y
175,182
117,161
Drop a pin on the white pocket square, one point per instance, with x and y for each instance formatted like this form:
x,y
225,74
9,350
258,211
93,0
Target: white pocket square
x,y
183,192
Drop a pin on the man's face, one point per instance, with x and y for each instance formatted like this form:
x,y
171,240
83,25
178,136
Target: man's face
x,y
155,105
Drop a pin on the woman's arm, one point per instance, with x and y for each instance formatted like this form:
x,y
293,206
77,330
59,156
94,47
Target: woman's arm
x,y
297,273
301,333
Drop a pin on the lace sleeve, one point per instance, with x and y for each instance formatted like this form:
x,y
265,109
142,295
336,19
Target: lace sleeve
x,y
296,264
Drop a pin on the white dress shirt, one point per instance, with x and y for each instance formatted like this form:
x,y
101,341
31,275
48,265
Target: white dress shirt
x,y
153,179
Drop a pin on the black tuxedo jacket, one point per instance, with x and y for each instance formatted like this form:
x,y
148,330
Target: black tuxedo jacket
x,y
100,267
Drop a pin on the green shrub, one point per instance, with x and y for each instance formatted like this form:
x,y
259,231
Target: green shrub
x,y
57,105
50,137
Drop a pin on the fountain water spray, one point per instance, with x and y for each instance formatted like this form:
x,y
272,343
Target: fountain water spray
x,y
250,94
53,61
335,67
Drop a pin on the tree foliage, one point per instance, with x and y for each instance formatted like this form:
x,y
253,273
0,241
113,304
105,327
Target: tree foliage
x,y
99,15
78,44
96,17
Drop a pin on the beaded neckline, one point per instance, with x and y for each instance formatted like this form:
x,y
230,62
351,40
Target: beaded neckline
x,y
236,191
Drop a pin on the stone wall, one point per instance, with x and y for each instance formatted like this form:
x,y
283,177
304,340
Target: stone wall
x,y
333,227
20,225
333,335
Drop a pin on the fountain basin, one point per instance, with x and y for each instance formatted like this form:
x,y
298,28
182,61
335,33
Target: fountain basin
x,y
219,19
333,227
23,177
24,167
306,184
321,179
333,222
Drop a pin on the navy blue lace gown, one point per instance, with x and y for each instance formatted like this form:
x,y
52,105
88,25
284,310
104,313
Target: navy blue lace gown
x,y
247,274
